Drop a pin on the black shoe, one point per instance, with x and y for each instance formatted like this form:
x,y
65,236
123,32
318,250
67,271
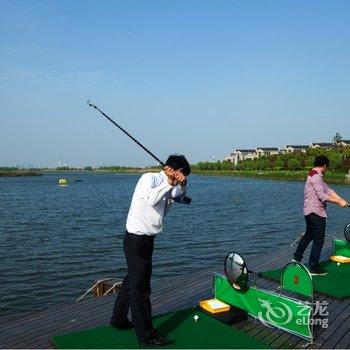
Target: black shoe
x,y
157,341
125,325
318,271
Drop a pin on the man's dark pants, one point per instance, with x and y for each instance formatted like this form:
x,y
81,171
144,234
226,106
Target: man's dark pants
x,y
136,289
315,232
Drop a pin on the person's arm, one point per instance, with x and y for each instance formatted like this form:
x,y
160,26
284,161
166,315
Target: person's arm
x,y
332,196
179,195
339,200
335,196
326,194
328,190
153,194
179,181
178,191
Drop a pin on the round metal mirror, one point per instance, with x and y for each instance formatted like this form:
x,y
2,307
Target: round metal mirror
x,y
236,271
347,232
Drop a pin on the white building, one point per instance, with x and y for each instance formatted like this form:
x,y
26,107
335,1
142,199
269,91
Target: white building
x,y
344,143
231,158
241,154
266,151
325,145
295,148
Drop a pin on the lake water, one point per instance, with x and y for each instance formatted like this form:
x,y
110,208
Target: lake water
x,y
54,241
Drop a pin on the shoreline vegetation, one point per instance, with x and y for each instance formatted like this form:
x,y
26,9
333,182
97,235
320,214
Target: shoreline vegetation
x,y
292,175
297,175
287,166
284,166
15,172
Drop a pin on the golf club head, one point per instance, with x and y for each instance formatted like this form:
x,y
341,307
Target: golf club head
x,y
347,232
90,104
236,271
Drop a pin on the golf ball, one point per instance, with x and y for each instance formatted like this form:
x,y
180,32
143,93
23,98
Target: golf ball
x,y
195,317
338,264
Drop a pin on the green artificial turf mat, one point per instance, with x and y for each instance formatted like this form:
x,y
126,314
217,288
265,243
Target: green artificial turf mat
x,y
335,283
206,333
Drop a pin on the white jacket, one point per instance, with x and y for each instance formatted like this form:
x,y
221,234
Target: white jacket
x,y
152,199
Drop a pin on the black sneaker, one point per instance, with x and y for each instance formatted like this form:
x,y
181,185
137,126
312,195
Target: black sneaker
x,y
318,271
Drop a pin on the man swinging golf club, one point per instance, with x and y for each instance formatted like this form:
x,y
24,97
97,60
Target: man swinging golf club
x,y
316,195
152,198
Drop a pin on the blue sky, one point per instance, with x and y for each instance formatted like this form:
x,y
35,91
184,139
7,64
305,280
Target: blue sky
x,y
194,77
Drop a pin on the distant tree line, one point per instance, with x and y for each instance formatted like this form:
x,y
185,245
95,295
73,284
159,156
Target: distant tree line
x,y
288,161
13,168
114,168
7,168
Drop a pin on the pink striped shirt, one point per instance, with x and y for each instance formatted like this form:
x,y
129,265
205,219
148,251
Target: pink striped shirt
x,y
316,193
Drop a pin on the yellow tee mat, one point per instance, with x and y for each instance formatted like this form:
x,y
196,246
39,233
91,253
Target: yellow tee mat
x,y
214,306
340,259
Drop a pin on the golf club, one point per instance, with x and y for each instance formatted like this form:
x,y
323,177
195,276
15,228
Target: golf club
x,y
186,200
298,239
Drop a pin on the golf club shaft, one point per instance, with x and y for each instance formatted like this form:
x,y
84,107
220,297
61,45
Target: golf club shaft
x,y
126,133
185,199
298,239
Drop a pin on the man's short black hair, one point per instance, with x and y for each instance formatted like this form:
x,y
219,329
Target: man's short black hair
x,y
321,161
177,162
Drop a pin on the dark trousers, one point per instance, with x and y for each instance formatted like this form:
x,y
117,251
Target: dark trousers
x,y
315,232
136,288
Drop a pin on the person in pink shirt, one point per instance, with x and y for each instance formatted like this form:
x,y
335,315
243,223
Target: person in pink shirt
x,y
316,195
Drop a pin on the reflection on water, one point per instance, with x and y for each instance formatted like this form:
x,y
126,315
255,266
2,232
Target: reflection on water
x,y
54,241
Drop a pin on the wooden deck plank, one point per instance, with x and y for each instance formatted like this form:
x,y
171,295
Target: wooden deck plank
x,y
339,335
344,342
338,328
267,335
